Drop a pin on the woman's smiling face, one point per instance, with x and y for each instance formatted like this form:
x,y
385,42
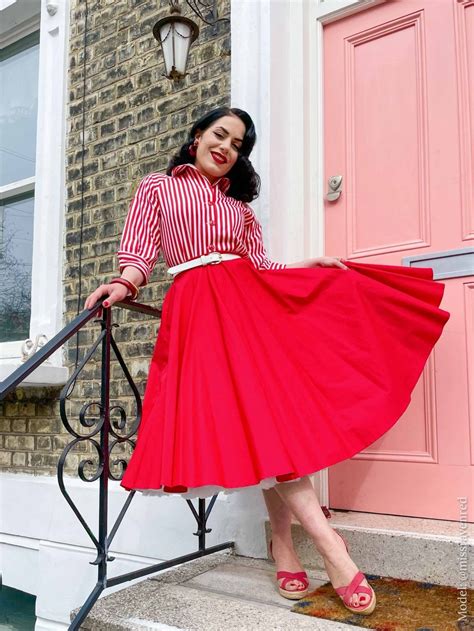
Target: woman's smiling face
x,y
218,147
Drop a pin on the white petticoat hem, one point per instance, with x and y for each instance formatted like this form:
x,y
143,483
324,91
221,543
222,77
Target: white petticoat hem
x,y
210,490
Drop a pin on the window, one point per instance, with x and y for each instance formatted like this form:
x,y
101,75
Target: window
x,y
18,122
33,109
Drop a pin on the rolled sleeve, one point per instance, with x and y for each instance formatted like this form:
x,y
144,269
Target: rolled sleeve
x,y
253,236
141,238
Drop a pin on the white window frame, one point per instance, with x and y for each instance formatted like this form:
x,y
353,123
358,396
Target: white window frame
x,y
52,19
277,76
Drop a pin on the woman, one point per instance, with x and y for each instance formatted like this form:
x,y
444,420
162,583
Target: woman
x,y
262,374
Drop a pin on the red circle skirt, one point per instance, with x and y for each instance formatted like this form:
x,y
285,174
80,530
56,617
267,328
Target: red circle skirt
x,y
265,376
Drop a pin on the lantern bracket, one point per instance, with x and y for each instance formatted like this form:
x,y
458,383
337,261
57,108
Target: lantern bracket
x,y
198,7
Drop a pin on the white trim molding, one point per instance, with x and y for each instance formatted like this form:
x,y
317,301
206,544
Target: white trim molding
x,y
266,80
17,188
26,13
277,76
328,11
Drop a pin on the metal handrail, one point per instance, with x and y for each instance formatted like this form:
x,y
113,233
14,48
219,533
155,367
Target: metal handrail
x,y
103,435
18,375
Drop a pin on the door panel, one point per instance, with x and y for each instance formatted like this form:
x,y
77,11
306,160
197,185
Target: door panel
x,y
399,110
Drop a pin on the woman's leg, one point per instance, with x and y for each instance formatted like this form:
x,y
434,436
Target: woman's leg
x,y
282,543
302,500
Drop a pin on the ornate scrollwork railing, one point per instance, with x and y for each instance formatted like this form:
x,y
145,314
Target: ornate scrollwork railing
x,y
102,436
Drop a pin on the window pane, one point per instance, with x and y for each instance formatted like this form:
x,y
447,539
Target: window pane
x,y
16,245
18,110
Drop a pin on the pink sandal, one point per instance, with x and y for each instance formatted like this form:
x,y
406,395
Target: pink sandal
x,y
346,592
300,592
355,587
292,594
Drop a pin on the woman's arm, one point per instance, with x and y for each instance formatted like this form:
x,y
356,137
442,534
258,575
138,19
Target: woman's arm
x,y
134,275
139,245
253,239
141,239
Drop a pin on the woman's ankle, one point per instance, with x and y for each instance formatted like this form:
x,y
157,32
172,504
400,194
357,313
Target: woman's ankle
x,y
283,540
328,544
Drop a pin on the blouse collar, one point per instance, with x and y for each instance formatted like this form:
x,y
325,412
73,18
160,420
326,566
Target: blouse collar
x,y
222,182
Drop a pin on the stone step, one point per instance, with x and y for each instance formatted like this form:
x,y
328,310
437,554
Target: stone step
x,y
400,547
221,591
227,591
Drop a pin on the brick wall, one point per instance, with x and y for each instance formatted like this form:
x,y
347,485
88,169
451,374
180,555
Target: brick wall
x,y
134,120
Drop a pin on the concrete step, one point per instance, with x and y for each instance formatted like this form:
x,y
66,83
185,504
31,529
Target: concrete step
x,y
221,591
401,547
227,591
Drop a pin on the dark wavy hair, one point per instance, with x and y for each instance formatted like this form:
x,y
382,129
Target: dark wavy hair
x,y
244,181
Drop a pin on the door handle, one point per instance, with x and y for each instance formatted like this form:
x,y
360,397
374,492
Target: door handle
x,y
335,188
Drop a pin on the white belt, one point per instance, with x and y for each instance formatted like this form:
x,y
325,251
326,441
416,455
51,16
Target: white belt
x,y
205,259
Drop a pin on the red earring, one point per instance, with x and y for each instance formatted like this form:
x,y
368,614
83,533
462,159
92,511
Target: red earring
x,y
192,149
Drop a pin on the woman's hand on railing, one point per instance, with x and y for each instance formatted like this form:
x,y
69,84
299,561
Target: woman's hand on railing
x,y
115,291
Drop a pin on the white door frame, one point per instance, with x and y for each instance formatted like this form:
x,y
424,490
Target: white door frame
x,y
277,76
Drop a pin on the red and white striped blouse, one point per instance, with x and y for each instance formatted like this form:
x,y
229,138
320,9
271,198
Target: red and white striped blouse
x,y
186,216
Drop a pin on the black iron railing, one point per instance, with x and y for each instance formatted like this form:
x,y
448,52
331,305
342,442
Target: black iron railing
x,y
104,435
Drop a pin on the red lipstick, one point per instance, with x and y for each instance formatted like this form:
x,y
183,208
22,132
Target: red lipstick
x,y
218,158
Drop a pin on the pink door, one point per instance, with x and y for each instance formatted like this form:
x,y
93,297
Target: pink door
x,y
399,128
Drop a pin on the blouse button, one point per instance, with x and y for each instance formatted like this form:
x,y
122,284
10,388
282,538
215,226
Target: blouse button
x,y
211,248
211,223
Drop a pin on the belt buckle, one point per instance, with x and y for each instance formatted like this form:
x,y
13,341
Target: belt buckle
x,y
205,258
219,254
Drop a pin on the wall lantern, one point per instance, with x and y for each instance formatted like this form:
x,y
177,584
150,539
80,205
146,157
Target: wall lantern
x,y
176,34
